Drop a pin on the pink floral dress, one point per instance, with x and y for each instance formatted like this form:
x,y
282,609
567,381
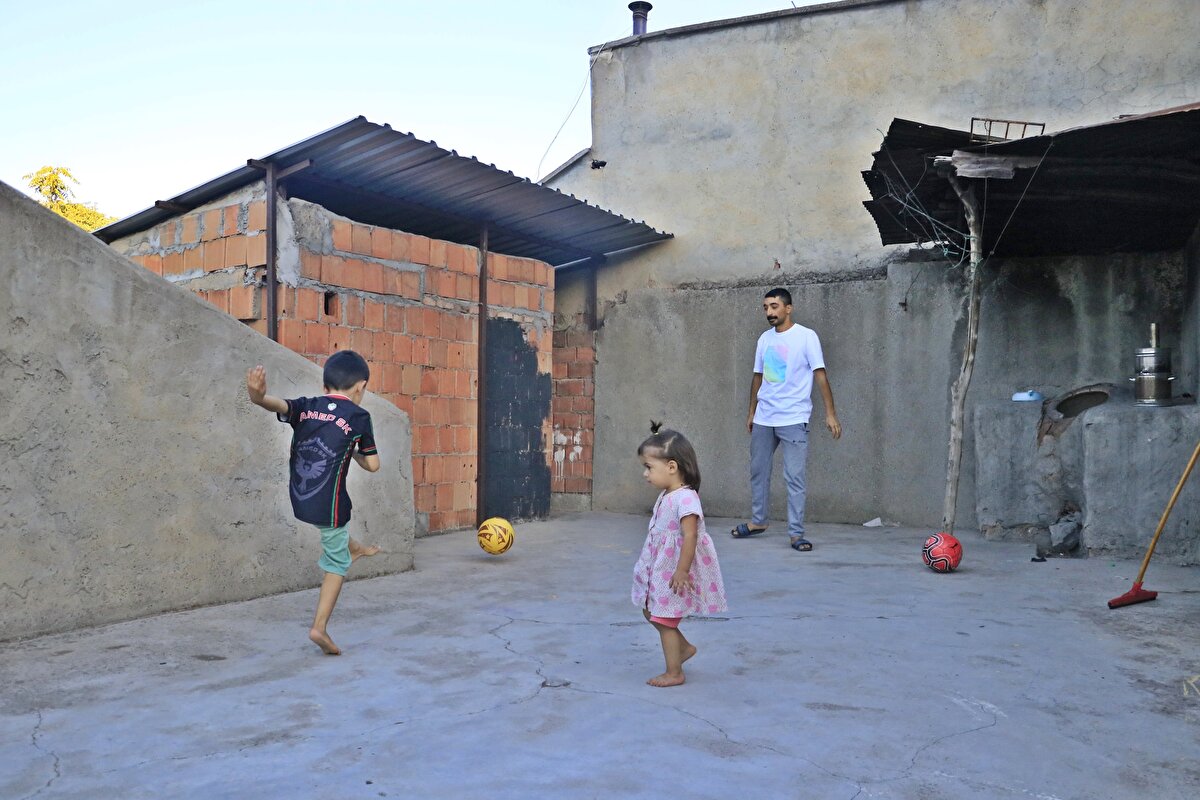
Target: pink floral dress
x,y
660,556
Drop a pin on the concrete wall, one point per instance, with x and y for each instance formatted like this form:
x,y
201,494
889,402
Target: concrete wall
x,y
686,355
747,143
1133,458
138,478
1186,356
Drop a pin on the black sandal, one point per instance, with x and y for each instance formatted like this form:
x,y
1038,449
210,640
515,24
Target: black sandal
x,y
744,531
801,545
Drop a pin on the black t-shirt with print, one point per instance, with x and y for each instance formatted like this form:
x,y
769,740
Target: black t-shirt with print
x,y
325,432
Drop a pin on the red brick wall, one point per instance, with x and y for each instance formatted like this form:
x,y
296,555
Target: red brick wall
x,y
407,303
573,409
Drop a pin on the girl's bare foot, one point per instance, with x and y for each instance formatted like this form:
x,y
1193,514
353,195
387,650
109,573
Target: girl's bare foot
x,y
358,551
322,640
688,652
666,679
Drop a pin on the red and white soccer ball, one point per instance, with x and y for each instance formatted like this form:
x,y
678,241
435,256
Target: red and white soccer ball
x,y
942,552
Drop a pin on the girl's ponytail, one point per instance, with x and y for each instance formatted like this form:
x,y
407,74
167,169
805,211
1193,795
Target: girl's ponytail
x,y
672,445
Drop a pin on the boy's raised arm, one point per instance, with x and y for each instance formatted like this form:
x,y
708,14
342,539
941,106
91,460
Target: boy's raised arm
x,y
256,386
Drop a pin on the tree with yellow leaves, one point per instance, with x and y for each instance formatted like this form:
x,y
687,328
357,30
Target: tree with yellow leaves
x,y
51,184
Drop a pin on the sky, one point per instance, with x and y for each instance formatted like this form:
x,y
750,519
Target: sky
x,y
144,100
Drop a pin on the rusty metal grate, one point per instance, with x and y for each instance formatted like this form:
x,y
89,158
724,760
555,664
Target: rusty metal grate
x,y
987,129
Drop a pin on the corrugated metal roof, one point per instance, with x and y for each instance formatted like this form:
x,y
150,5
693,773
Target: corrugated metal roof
x,y
1125,185
376,175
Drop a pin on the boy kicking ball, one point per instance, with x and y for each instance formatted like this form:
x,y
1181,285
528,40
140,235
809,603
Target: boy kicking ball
x,y
328,431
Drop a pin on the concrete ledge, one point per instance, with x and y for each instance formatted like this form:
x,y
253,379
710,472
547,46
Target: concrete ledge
x,y
1020,484
1133,458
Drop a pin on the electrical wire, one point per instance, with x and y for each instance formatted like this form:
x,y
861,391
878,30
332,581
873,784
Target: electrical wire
x,y
574,105
1012,213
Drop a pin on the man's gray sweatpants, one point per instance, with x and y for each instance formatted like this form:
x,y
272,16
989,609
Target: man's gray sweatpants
x,y
763,441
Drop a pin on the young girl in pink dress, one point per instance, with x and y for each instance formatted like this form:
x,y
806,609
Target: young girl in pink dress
x,y
677,574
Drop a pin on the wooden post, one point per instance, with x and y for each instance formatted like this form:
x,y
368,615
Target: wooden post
x,y
958,393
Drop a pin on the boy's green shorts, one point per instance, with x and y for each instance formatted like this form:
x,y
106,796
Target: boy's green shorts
x,y
335,550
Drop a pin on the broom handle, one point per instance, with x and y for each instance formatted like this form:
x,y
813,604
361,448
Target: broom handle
x,y
1167,512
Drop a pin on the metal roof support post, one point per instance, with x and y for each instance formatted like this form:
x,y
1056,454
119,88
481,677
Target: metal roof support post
x,y
481,380
273,176
593,319
272,280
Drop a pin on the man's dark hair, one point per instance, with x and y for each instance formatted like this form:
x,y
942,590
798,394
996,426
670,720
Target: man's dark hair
x,y
782,294
344,369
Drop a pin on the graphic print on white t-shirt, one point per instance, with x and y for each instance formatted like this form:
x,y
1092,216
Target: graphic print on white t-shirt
x,y
775,363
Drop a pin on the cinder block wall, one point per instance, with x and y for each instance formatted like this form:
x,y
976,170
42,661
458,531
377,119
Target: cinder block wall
x,y
407,303
574,405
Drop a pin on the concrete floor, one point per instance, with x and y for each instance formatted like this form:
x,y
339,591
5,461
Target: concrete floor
x,y
848,672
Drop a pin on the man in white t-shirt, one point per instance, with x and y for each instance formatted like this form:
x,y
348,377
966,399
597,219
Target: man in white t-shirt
x,y
787,363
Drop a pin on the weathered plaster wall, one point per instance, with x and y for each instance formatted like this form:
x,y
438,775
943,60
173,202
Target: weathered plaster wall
x,y
137,476
747,143
1186,356
686,355
1133,458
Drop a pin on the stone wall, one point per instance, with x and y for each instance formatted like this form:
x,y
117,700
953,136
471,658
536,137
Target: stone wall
x,y
138,478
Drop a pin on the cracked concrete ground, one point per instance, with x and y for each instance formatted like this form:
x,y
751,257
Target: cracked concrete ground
x,y
848,672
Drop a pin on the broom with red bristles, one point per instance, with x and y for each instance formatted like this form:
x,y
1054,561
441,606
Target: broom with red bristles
x,y
1137,594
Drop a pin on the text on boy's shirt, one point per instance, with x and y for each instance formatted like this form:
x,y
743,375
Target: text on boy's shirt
x,y
321,416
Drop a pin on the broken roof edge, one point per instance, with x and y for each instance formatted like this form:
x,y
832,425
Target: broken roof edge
x,y
733,22
563,167
1013,144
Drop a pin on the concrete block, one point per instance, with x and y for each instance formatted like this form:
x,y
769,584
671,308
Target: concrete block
x,y
1020,484
1133,458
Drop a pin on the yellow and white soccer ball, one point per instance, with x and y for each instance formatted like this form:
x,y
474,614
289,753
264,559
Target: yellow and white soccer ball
x,y
496,535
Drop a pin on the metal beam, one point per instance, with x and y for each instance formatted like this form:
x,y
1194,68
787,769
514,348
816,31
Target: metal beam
x,y
481,381
593,321
272,279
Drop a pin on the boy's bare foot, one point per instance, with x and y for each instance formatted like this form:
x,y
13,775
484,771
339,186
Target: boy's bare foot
x,y
689,651
666,679
358,551
323,641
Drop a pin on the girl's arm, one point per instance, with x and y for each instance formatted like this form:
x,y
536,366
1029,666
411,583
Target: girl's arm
x,y
681,580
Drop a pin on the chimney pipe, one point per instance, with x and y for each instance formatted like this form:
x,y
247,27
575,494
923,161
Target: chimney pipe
x,y
640,12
